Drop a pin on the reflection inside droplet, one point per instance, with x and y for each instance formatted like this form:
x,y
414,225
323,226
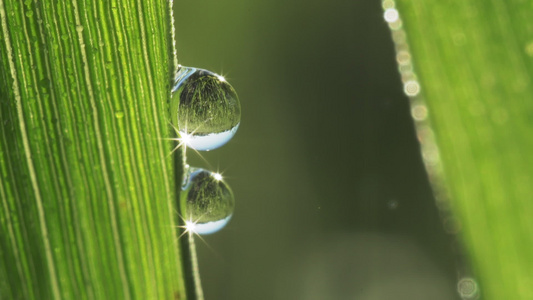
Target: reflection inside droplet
x,y
210,227
209,141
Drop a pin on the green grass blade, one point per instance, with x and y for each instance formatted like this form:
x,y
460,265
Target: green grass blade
x,y
474,62
87,183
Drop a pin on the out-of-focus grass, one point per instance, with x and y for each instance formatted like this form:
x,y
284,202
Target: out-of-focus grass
x,y
87,200
474,63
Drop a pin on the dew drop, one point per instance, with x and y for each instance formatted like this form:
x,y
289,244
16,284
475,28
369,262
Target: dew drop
x,y
391,15
206,200
119,114
468,288
419,112
411,88
205,108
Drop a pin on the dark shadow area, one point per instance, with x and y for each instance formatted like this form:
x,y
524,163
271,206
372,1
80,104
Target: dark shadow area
x,y
332,199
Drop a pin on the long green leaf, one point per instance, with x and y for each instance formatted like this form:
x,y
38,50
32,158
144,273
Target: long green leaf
x,y
473,60
87,183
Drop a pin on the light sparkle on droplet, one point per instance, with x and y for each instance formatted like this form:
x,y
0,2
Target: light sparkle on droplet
x,y
190,226
217,176
185,138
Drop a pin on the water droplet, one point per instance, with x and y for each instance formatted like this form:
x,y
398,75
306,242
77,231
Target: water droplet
x,y
119,114
468,288
207,201
205,108
403,57
79,28
411,88
391,15
388,4
419,112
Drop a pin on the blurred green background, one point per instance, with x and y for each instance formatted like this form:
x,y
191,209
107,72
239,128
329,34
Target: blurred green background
x,y
332,200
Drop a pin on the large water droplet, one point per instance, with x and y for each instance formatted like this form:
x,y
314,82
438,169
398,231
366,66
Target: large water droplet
x,y
205,108
206,200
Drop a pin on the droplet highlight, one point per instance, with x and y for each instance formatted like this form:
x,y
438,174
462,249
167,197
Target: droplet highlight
x,y
205,108
207,201
391,15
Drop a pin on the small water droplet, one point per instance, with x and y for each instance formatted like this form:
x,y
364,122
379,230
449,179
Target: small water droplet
x,y
207,201
411,88
419,112
119,114
468,288
388,4
79,28
205,108
391,15
403,57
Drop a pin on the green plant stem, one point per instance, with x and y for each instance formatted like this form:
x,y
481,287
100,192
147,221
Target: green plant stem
x,y
88,204
474,61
